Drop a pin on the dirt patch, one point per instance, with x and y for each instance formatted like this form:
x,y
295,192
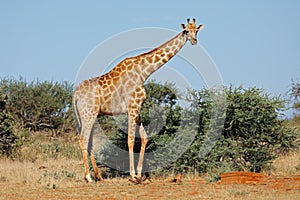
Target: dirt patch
x,y
242,178
278,183
284,183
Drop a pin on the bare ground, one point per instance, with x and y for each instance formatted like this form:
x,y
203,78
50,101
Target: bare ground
x,y
61,179
160,189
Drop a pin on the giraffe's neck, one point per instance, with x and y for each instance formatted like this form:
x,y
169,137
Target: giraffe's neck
x,y
151,61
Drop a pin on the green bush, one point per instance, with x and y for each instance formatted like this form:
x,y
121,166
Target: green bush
x,y
39,106
236,129
7,136
253,133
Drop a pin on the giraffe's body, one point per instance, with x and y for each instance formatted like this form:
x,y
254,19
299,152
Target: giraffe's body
x,y
121,91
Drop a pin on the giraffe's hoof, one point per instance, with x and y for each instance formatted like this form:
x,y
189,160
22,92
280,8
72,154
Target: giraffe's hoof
x,y
99,179
134,180
140,180
88,178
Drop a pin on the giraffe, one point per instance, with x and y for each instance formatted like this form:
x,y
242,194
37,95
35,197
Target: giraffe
x,y
121,91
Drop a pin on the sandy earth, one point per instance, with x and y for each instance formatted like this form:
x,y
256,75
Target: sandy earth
x,y
234,185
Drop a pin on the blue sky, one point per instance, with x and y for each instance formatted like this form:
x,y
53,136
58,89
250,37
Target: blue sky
x,y
253,43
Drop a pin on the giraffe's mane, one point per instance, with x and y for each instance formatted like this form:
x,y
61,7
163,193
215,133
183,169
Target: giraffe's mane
x,y
159,47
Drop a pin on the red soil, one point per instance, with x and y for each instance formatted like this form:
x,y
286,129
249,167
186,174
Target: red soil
x,y
285,183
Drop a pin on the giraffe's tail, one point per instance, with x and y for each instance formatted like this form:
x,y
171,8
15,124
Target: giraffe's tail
x,y
76,113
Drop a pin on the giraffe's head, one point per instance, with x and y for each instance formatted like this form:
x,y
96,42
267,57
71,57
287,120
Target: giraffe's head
x,y
191,30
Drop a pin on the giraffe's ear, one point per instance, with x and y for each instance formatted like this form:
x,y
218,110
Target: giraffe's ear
x,y
200,27
182,26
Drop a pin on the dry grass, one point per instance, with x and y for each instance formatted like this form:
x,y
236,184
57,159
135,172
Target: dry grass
x,y
44,174
287,165
63,179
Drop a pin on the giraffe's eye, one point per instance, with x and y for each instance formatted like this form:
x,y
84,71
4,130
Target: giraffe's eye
x,y
185,31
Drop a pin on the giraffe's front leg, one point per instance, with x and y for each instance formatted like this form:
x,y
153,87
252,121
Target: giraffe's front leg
x,y
136,101
144,140
130,141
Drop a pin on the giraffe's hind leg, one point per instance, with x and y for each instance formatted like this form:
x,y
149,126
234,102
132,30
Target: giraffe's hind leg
x,y
85,154
87,175
86,148
96,170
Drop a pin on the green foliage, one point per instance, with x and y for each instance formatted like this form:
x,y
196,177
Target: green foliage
x,y
39,105
295,95
254,129
160,114
204,120
252,135
7,136
232,129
